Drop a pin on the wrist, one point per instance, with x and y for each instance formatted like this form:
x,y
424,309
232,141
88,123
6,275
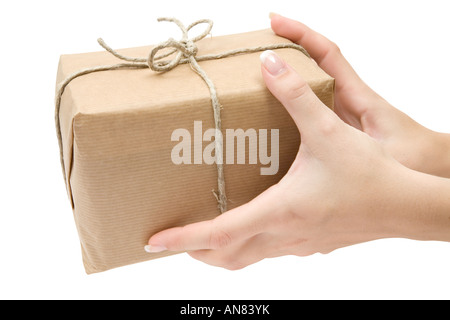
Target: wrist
x,y
432,154
442,155
420,209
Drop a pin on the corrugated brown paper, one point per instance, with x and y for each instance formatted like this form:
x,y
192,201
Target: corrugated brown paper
x,y
116,131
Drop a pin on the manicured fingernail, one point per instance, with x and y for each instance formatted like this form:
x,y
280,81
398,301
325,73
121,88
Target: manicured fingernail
x,y
272,62
154,248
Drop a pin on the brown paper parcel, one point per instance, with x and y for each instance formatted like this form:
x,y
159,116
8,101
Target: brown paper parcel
x,y
116,129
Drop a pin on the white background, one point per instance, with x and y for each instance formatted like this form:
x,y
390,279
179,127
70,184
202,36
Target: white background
x,y
400,48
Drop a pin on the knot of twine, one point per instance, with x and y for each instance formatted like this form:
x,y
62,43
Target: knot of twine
x,y
185,51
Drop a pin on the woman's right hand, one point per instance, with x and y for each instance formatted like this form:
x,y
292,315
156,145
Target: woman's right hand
x,y
410,143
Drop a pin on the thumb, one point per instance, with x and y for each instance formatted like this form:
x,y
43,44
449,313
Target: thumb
x,y
230,227
308,112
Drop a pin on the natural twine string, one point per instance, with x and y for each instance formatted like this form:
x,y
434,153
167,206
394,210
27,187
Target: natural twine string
x,y
186,52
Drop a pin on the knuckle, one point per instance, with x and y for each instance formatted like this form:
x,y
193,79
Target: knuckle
x,y
219,239
332,51
328,126
297,90
177,242
334,48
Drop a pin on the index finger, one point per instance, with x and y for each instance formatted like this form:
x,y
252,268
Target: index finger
x,y
325,52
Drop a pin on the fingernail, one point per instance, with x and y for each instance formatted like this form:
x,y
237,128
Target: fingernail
x,y
272,14
272,62
154,248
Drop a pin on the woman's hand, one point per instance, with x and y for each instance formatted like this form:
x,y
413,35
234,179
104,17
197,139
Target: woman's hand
x,y
409,142
343,188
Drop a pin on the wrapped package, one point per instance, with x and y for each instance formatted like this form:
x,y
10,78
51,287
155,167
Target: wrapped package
x,y
138,145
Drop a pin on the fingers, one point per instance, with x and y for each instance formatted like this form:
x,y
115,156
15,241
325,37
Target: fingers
x,y
308,112
323,51
242,254
230,227
239,255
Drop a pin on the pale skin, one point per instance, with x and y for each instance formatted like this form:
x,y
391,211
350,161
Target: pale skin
x,y
364,172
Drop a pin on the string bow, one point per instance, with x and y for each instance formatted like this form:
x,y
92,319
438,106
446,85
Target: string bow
x,y
185,48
